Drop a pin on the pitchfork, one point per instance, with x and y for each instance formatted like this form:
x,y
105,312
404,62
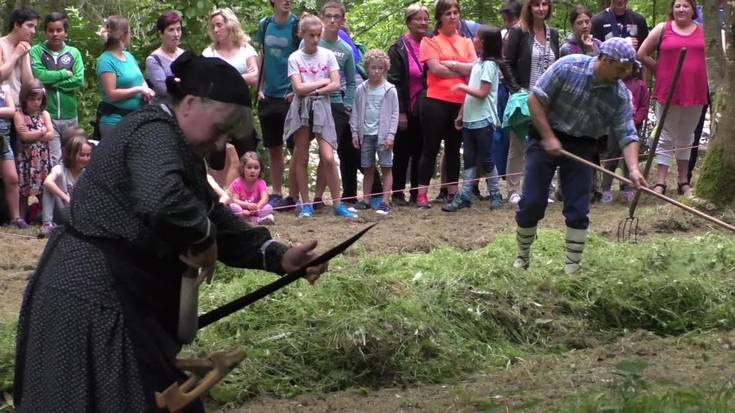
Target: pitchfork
x,y
628,228
650,191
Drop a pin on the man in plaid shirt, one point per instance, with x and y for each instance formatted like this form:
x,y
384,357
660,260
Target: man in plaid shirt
x,y
578,100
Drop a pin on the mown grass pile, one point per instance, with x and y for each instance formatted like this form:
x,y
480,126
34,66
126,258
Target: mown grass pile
x,y
383,320
431,317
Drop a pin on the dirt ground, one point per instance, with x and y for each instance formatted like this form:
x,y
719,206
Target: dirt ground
x,y
536,382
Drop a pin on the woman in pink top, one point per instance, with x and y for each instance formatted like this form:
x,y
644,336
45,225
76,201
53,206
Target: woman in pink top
x,y
449,58
406,73
690,95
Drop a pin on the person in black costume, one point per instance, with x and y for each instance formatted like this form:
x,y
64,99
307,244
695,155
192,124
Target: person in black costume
x,y
97,328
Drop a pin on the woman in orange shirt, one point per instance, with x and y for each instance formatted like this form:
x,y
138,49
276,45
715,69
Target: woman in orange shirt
x,y
449,58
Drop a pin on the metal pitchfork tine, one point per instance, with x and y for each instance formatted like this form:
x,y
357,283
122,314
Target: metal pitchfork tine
x,y
628,228
649,191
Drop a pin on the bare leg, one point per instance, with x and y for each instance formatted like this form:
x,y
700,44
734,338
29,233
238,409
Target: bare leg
x,y
300,161
12,194
331,175
276,164
367,183
387,183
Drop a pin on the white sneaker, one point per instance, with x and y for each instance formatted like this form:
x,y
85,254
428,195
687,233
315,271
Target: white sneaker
x,y
551,200
514,199
267,220
521,263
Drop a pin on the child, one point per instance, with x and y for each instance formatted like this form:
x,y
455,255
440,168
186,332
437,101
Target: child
x,y
479,118
59,184
374,122
639,101
8,173
35,131
314,75
249,193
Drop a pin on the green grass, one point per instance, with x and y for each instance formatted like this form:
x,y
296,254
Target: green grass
x,y
433,317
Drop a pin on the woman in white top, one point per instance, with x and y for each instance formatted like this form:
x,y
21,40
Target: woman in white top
x,y
231,44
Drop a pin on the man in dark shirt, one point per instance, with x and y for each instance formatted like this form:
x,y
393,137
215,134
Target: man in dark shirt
x,y
619,21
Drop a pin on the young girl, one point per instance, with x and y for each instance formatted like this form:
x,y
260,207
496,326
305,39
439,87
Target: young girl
x,y
249,193
8,173
35,130
314,75
59,184
479,118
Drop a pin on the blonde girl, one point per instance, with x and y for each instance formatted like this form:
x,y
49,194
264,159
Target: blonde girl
x,y
314,75
60,183
249,192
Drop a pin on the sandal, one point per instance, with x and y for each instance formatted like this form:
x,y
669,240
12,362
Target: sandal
x,y
663,188
681,189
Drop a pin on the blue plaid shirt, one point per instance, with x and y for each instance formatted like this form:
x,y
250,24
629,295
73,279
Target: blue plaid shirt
x,y
579,107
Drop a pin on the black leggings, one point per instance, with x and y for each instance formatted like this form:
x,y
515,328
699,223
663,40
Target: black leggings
x,y
437,123
407,151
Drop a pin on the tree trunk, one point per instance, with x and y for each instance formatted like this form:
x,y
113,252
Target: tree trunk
x,y
717,179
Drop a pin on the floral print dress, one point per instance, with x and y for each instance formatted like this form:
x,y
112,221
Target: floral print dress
x,y
34,160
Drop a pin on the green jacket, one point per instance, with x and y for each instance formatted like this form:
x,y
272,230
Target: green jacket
x,y
61,88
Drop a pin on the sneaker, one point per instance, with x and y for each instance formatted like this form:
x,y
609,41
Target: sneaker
x,y
460,201
629,196
46,230
496,200
399,200
317,203
286,204
267,220
375,202
361,205
607,197
341,211
383,208
275,200
21,223
441,198
307,211
422,202
514,199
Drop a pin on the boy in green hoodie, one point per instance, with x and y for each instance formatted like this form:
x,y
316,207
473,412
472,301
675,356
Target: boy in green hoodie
x,y
61,70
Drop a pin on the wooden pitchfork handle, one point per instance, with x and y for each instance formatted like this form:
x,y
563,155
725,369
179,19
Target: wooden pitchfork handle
x,y
650,191
207,372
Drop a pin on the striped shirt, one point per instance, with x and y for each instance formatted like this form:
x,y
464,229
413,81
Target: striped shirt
x,y
579,107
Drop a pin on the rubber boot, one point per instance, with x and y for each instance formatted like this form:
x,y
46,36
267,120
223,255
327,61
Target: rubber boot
x,y
524,239
576,238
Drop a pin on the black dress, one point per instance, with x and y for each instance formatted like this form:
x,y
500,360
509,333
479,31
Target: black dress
x,y
98,322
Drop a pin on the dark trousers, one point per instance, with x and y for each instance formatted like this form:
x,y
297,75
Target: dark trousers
x,y
406,156
697,137
437,124
575,178
500,137
477,147
349,157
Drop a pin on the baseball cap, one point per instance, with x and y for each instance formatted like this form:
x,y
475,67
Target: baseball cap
x,y
620,50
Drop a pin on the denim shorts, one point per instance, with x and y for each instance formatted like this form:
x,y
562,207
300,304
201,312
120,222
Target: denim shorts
x,y
367,153
6,152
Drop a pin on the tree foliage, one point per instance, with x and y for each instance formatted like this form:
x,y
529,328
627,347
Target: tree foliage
x,y
374,23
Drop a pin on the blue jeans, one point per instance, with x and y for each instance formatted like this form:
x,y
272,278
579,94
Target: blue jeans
x,y
501,143
575,178
479,143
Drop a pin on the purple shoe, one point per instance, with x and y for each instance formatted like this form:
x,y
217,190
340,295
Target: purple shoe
x,y
21,223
